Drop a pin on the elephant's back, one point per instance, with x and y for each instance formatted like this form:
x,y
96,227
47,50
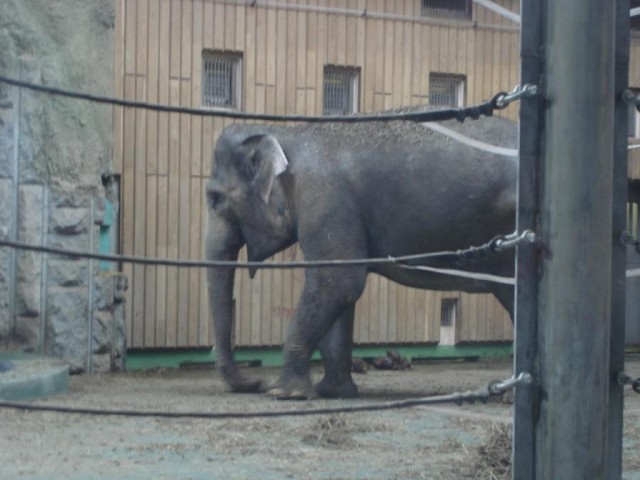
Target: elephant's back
x,y
492,130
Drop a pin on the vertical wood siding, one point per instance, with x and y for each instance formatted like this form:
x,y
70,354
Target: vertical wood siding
x,y
164,159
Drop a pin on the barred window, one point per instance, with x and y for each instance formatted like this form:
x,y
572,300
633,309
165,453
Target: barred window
x,y
447,89
221,79
447,8
341,90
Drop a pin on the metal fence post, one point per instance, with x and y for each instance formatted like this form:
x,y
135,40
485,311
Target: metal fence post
x,y
526,307
575,224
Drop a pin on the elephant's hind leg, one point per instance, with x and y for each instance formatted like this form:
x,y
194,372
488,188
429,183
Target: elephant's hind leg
x,y
336,347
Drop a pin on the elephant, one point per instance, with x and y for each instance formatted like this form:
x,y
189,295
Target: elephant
x,y
354,191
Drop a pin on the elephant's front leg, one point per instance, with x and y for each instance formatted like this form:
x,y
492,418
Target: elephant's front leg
x,y
336,349
328,295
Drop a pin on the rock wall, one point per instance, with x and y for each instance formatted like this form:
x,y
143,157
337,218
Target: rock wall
x,y
54,153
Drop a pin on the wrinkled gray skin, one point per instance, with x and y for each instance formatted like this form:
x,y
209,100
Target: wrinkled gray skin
x,y
342,191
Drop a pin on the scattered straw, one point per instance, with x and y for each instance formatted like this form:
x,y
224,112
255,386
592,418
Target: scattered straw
x,y
492,460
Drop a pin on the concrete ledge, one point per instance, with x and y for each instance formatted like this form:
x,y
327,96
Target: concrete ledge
x,y
26,378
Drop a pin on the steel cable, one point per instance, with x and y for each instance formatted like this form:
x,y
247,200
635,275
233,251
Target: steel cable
x,y
495,388
460,114
469,254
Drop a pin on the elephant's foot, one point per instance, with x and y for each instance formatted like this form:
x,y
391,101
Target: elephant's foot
x,y
238,382
247,385
329,389
291,388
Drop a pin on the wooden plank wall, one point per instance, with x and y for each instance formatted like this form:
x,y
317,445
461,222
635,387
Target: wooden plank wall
x,y
164,159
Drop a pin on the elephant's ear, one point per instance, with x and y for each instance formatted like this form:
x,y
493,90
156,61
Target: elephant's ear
x,y
265,161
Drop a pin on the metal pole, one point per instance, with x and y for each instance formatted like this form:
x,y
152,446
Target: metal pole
x,y
574,304
618,283
526,307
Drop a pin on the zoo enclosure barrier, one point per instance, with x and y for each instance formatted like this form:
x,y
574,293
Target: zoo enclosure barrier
x,y
498,102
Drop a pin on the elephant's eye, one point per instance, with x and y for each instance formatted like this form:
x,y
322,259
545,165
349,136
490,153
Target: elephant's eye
x,y
215,199
253,164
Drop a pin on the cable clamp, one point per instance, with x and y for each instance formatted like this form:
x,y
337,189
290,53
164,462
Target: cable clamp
x,y
627,239
514,239
624,379
519,91
630,97
498,388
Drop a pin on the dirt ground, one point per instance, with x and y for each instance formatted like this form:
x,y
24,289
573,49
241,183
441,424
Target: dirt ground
x,y
427,442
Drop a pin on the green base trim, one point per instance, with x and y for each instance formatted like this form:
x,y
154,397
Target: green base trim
x,y
272,357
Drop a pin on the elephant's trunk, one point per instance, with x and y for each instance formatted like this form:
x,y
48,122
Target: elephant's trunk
x,y
224,243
